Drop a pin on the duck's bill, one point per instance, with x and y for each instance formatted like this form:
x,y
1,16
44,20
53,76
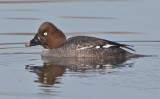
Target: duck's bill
x,y
35,41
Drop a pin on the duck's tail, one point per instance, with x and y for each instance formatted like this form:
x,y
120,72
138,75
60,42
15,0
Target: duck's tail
x,y
131,55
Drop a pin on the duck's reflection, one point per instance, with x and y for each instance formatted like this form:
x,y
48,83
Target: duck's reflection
x,y
48,73
54,68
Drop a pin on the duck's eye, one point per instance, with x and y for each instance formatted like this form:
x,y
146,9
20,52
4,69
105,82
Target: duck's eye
x,y
45,33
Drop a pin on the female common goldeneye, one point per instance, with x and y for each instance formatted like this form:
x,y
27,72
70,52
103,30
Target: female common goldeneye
x,y
56,45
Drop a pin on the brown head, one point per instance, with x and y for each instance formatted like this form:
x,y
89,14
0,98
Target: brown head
x,y
49,36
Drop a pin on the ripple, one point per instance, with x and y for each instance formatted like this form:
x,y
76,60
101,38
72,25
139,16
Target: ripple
x,y
11,47
16,94
17,33
46,1
113,32
12,43
83,17
24,1
23,18
23,53
141,41
26,10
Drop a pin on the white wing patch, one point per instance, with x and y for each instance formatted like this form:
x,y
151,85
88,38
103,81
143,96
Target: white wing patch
x,y
108,45
105,46
82,48
97,47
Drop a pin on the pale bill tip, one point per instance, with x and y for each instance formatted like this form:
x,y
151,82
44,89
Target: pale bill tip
x,y
28,44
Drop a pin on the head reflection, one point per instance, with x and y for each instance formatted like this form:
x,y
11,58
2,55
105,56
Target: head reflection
x,y
48,73
54,68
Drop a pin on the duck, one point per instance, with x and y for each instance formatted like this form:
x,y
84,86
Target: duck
x,y
56,44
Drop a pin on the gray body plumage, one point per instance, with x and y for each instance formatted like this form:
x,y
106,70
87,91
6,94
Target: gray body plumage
x,y
84,46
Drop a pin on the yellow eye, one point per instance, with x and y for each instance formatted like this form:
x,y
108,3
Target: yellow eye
x,y
45,33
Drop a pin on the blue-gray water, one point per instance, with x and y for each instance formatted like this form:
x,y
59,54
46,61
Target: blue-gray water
x,y
24,74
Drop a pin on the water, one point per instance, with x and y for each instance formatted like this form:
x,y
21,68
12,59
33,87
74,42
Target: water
x,y
24,74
